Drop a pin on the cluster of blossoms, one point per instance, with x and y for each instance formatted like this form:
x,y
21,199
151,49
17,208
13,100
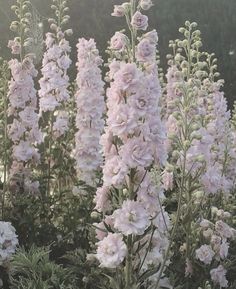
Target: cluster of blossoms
x,y
134,141
90,109
214,142
201,149
217,235
210,151
53,93
8,241
24,130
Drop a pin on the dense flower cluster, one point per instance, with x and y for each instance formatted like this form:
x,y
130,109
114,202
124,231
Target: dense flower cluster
x,y
217,235
8,241
53,93
90,109
159,155
134,141
24,130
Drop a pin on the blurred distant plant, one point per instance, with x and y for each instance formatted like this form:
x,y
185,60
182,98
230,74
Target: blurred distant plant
x,y
4,140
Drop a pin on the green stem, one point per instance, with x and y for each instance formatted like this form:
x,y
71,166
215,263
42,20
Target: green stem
x,y
21,31
5,153
182,185
128,265
133,31
50,153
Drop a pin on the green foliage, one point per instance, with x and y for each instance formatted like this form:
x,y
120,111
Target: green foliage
x,y
34,270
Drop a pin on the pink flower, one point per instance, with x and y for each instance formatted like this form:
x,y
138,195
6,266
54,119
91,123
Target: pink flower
x,y
90,107
167,179
16,130
111,251
101,199
146,51
122,121
218,276
139,21
29,117
152,36
60,126
119,11
114,171
224,230
205,254
224,249
136,152
23,152
132,218
128,76
119,42
15,46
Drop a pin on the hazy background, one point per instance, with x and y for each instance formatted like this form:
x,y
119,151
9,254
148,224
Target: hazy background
x,y
91,18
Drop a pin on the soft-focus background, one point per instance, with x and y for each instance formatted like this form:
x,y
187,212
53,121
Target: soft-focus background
x,y
91,18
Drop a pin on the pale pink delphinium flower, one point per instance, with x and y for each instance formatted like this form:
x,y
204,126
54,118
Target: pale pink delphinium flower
x,y
122,122
139,21
224,230
131,218
136,152
205,254
111,251
90,108
61,125
119,42
119,11
114,171
8,241
167,179
15,46
101,199
218,276
146,51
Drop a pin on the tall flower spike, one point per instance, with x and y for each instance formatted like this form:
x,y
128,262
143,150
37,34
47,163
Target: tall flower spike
x,y
134,141
90,109
54,83
54,94
24,129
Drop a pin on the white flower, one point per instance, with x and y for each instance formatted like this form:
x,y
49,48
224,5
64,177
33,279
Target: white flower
x,y
132,218
205,254
111,251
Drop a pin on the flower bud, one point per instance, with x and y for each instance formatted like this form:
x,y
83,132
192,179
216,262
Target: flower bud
x,y
94,215
146,4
